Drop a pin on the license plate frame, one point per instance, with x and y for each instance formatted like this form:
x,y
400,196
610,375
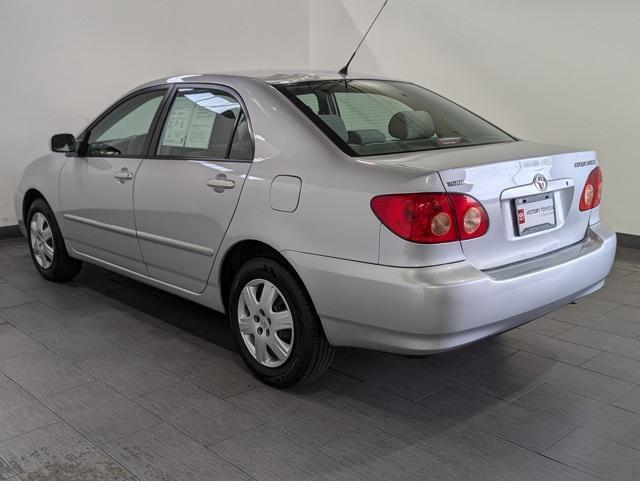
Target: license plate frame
x,y
535,213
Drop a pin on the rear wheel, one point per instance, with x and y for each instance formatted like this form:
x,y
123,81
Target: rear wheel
x,y
275,326
46,244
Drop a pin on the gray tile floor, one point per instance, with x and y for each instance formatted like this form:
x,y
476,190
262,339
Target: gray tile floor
x,y
107,379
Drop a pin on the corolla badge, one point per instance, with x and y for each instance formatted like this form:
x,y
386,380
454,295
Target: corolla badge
x,y
540,182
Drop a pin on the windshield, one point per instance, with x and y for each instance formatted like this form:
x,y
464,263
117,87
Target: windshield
x,y
374,117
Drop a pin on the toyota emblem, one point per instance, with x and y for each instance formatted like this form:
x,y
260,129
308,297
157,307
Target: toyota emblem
x,y
540,182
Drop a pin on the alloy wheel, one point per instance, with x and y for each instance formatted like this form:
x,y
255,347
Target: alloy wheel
x,y
41,238
266,323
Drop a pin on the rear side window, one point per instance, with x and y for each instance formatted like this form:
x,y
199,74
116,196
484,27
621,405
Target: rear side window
x,y
241,145
374,117
201,124
124,130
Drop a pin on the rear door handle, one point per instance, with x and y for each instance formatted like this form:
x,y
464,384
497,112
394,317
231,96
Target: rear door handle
x,y
221,183
123,175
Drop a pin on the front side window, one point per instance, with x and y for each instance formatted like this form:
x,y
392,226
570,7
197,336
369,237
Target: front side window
x,y
373,117
124,130
201,124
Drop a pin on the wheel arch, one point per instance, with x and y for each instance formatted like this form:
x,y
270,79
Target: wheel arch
x,y
244,251
29,198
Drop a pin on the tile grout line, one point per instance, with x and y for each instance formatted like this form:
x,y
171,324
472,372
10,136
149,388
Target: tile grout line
x,y
579,469
535,453
60,421
100,448
559,440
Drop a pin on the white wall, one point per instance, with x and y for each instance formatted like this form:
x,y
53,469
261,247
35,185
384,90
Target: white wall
x,y
557,72
563,72
63,61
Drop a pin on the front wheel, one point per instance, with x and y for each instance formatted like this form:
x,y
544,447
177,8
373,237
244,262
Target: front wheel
x,y
46,244
275,325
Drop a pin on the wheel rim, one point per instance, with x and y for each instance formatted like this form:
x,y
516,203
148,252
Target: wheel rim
x,y
41,238
265,322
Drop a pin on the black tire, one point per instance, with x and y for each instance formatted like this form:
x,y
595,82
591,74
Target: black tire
x,y
63,268
311,354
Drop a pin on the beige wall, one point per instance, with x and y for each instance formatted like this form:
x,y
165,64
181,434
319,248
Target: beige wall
x,y
564,72
62,61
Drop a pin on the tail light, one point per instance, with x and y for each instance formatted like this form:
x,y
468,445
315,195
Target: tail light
x,y
592,192
472,219
431,218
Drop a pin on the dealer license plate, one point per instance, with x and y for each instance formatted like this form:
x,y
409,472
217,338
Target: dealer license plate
x,y
535,213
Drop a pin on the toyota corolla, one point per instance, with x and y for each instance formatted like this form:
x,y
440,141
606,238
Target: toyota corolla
x,y
321,210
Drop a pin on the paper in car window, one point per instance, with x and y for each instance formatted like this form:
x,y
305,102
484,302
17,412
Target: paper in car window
x,y
192,117
200,129
178,123
189,125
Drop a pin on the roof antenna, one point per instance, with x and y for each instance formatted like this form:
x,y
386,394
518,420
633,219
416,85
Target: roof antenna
x,y
345,69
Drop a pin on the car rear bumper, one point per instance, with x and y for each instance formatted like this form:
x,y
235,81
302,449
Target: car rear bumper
x,y
432,309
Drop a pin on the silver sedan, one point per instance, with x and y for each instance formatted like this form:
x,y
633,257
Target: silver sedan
x,y
321,210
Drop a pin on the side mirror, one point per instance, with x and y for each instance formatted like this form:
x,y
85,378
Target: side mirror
x,y
63,143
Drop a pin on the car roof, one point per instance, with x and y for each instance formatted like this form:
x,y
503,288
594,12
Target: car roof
x,y
273,77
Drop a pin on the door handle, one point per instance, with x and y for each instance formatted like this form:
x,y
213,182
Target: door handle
x,y
221,183
123,175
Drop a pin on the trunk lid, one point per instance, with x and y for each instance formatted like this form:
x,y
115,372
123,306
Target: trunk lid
x,y
501,178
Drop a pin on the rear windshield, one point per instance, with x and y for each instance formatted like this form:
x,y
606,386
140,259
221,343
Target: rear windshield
x,y
374,117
